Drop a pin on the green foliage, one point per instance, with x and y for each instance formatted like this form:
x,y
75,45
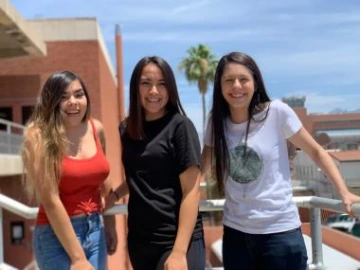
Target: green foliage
x,y
199,65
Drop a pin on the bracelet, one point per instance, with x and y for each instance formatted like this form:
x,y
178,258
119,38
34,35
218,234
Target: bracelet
x,y
116,195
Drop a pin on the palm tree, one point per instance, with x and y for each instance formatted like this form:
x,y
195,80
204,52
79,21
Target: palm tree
x,y
199,66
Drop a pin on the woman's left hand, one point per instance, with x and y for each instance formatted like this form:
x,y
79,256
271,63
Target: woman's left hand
x,y
348,200
176,261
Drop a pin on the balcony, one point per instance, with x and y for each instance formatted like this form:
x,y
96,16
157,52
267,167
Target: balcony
x,y
11,138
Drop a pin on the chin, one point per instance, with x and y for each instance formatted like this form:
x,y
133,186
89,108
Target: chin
x,y
73,122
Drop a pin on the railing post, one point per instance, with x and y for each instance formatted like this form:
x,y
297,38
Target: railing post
x,y
8,134
1,237
316,240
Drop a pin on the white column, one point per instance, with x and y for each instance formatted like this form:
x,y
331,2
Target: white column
x,y
1,237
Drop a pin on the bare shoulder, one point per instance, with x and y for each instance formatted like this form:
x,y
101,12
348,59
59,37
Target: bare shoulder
x,y
98,126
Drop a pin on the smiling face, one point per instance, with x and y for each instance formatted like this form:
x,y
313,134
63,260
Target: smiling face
x,y
73,104
237,87
153,92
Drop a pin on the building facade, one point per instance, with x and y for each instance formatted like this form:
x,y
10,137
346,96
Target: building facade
x,y
30,51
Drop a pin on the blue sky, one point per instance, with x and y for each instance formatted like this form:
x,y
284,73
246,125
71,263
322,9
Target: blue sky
x,y
307,47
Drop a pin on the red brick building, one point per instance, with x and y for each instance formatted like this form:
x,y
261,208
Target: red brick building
x,y
333,131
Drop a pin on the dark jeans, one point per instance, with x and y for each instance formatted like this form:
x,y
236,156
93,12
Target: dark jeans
x,y
276,251
147,257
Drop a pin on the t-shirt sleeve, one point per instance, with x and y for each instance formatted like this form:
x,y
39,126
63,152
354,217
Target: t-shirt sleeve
x,y
207,138
187,146
289,121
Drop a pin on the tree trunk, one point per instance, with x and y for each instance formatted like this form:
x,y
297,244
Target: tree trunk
x,y
204,114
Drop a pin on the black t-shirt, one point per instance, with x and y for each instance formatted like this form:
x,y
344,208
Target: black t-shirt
x,y
152,169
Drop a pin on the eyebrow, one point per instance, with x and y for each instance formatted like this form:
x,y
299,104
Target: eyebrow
x,y
75,92
235,76
148,79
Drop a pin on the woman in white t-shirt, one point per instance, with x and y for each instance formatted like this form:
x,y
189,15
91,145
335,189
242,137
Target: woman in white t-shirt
x,y
246,139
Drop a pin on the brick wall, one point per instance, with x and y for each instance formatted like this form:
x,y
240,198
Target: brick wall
x,y
21,80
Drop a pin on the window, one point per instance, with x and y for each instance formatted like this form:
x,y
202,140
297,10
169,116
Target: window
x,y
26,112
5,113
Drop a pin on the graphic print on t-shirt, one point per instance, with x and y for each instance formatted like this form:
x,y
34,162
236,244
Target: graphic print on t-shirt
x,y
245,164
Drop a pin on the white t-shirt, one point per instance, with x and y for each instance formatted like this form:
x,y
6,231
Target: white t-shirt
x,y
258,189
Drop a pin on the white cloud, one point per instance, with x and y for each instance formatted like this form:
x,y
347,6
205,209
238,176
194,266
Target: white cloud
x,y
190,6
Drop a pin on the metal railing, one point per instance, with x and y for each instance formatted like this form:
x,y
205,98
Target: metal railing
x,y
11,137
315,204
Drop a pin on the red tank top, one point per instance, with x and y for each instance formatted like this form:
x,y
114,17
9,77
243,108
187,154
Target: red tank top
x,y
80,181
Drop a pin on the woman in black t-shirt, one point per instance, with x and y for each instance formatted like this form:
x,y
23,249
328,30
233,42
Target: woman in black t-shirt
x,y
161,157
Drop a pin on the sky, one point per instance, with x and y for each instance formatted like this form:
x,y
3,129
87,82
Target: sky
x,y
303,48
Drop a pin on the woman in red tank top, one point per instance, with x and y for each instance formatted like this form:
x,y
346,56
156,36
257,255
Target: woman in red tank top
x,y
63,154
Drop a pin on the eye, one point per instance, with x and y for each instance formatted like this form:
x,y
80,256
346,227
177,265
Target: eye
x,y
145,83
162,84
79,95
63,97
243,80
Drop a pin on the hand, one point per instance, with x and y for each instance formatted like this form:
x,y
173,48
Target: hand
x,y
110,234
176,261
111,240
81,265
348,200
109,201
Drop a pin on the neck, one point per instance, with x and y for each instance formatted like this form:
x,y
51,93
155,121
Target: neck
x,y
239,116
74,130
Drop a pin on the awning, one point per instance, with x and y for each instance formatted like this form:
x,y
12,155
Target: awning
x,y
17,37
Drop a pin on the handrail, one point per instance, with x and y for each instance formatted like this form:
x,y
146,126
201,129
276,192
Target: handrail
x,y
11,138
312,202
11,124
205,206
18,208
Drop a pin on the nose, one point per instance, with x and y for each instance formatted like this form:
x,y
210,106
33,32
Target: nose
x,y
237,83
153,89
71,100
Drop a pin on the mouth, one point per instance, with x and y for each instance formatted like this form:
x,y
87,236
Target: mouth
x,y
72,113
153,100
237,95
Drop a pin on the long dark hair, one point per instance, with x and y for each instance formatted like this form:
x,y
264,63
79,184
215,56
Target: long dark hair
x,y
220,110
134,122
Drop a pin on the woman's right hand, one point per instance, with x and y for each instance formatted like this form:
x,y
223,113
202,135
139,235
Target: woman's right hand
x,y
81,265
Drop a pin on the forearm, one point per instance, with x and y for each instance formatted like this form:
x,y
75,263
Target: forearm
x,y
61,224
187,218
121,190
327,165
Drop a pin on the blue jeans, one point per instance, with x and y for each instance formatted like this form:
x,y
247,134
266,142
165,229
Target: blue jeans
x,y
276,251
50,254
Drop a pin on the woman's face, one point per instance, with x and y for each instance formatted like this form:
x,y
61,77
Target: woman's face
x,y
237,87
153,92
73,104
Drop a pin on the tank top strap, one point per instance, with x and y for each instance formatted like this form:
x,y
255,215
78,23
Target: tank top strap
x,y
96,137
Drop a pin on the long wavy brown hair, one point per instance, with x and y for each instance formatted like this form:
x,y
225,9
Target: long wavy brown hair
x,y
45,140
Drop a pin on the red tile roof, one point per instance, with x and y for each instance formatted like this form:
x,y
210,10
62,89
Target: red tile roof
x,y
353,155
